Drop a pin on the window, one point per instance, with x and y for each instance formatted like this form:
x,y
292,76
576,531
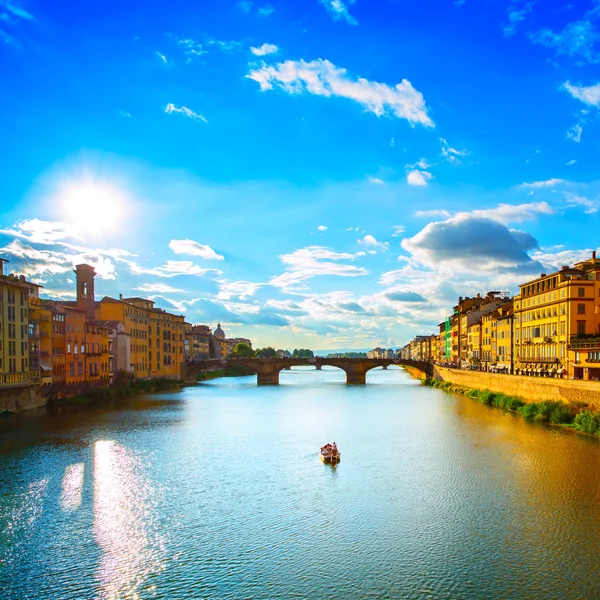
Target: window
x,y
72,369
581,292
581,309
580,327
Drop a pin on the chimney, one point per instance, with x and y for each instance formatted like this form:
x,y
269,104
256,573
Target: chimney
x,y
2,261
120,296
593,255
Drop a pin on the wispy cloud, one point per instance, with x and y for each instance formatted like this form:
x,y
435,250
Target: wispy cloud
x,y
184,110
161,56
376,180
17,11
544,184
576,40
339,10
371,242
516,16
418,178
322,227
173,268
245,5
193,248
398,230
157,288
450,154
313,261
265,11
264,49
323,78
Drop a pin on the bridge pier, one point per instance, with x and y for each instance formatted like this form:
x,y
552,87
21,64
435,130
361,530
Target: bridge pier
x,y
267,378
319,367
356,378
384,367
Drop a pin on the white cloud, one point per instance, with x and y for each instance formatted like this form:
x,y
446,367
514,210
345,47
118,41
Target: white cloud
x,y
339,10
322,227
571,162
398,230
543,184
47,263
589,95
264,49
312,261
323,78
417,177
194,249
471,242
161,56
43,232
173,268
157,288
371,242
376,180
184,110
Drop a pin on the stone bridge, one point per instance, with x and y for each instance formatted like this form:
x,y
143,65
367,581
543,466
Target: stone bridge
x,y
267,369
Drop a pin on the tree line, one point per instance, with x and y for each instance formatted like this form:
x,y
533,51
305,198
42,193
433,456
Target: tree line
x,y
243,350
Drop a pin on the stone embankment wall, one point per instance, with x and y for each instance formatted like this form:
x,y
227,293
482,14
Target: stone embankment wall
x,y
531,389
21,398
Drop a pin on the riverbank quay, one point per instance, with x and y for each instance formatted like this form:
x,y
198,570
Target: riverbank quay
x,y
17,401
217,373
578,414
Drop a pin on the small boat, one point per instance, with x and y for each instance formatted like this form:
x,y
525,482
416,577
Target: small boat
x,y
330,454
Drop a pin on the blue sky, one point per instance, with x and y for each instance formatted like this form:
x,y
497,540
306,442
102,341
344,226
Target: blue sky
x,y
325,174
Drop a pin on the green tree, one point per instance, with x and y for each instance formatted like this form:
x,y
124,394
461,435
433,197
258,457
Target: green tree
x,y
303,353
267,352
243,350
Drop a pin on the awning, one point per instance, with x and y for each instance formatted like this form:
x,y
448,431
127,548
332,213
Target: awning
x,y
45,366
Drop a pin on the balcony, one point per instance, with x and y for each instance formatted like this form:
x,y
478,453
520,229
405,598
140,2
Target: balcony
x,y
584,342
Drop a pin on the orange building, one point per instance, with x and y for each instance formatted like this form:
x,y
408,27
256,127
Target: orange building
x,y
97,363
75,328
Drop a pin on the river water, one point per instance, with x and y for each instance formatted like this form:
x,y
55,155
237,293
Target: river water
x,y
217,491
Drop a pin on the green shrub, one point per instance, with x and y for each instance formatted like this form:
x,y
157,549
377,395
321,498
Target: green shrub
x,y
486,397
529,411
587,421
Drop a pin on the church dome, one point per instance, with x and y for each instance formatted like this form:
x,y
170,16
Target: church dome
x,y
218,332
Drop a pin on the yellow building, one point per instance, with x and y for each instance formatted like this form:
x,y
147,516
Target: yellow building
x,y
557,325
474,343
156,336
15,333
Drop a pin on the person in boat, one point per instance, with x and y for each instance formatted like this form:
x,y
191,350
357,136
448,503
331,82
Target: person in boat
x,y
334,449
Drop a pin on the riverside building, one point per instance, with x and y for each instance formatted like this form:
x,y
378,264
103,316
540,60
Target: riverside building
x,y
557,323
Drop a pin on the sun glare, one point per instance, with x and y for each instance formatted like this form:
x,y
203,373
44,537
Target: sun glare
x,y
93,207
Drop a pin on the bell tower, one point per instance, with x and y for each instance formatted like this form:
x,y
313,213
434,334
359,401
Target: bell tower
x,y
85,289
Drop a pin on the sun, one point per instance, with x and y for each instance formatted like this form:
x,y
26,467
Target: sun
x,y
93,207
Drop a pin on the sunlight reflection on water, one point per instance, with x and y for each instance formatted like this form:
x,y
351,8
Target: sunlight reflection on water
x,y
123,522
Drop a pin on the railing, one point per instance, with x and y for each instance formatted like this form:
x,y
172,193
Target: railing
x,y
14,378
584,343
